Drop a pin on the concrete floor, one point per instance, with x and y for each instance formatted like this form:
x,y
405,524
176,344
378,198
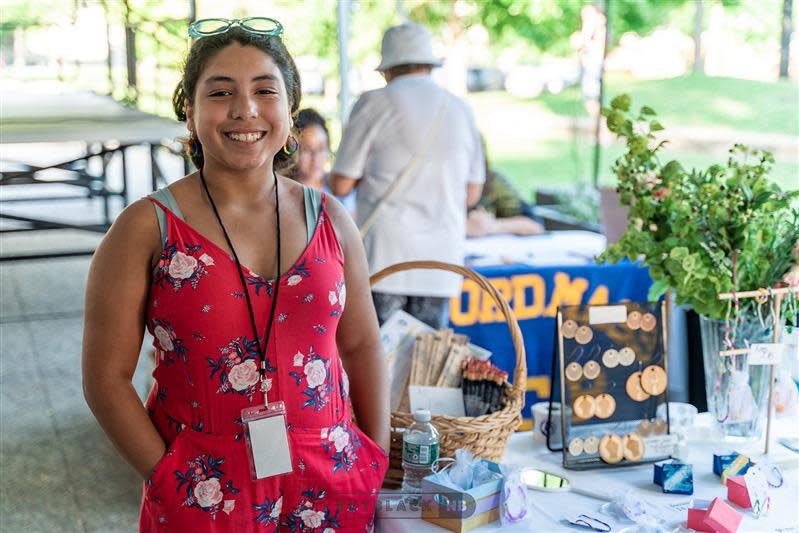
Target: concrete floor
x,y
58,471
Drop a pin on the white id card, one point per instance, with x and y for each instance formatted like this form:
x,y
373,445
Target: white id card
x,y
267,440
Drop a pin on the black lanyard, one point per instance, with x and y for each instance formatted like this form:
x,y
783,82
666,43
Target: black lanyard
x,y
261,350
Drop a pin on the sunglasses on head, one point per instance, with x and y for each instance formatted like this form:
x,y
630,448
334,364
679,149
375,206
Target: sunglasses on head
x,y
257,25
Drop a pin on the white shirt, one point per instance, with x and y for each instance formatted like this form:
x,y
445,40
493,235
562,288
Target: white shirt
x,y
425,219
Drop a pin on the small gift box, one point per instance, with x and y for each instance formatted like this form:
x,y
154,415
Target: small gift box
x,y
461,511
737,492
722,462
713,517
675,477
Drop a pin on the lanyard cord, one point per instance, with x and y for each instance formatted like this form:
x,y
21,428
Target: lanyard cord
x,y
261,350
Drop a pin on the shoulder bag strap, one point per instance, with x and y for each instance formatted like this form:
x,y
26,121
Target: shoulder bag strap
x,y
367,224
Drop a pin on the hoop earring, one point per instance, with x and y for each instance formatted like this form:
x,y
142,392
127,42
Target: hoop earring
x,y
195,148
291,146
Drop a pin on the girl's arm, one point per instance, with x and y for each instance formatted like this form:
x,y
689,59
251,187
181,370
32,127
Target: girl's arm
x,y
358,336
114,320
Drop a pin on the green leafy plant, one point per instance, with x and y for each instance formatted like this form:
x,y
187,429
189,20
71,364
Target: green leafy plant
x,y
704,231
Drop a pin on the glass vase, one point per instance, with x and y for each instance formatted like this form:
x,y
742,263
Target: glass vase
x,y
737,392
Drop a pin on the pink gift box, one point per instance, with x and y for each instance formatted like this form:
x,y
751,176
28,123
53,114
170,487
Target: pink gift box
x,y
737,492
722,518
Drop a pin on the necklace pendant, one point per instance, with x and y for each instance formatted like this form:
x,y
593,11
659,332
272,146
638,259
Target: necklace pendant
x,y
266,385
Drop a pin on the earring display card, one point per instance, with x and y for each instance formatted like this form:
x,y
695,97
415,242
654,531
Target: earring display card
x,y
613,376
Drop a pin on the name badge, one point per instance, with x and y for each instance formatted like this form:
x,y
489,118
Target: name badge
x,y
267,440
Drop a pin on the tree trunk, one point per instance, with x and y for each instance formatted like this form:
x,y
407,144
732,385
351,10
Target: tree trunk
x,y
699,67
785,44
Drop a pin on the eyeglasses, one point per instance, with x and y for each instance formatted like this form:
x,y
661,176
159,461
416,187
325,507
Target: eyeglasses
x,y
258,25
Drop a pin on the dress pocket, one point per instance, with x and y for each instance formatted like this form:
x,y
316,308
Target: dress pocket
x,y
156,484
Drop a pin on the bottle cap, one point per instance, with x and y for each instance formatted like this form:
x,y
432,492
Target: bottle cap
x,y
421,415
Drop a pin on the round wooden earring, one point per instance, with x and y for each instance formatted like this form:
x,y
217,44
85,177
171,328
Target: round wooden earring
x,y
634,389
610,358
591,445
605,406
611,449
576,446
644,428
584,335
634,320
626,356
568,329
659,426
654,380
573,371
591,370
633,447
584,407
648,322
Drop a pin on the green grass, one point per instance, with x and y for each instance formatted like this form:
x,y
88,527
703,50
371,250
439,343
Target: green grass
x,y
521,145
559,163
767,107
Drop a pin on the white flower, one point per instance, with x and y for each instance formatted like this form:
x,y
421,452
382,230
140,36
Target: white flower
x,y
229,506
294,280
332,297
653,227
182,266
342,295
298,358
312,519
164,338
641,128
277,508
243,375
339,438
315,373
639,224
651,180
208,492
208,260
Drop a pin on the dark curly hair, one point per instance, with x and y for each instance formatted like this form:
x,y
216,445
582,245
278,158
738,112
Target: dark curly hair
x,y
206,48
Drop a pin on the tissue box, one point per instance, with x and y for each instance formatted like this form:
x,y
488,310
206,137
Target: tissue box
x,y
675,477
461,511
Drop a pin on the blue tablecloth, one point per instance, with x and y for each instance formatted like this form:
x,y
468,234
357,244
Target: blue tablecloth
x,y
534,294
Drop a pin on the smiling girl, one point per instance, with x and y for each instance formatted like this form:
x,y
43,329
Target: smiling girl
x,y
255,290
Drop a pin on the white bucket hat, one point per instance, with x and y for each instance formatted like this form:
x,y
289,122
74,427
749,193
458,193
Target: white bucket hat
x,y
407,44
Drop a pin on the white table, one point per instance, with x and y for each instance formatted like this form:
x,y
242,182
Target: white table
x,y
550,509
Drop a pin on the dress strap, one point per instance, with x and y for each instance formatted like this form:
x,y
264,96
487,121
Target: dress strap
x,y
165,198
313,206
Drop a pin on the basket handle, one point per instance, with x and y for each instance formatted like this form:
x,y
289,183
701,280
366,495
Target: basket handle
x,y
520,372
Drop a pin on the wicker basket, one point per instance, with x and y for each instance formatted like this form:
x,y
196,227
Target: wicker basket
x,y
486,436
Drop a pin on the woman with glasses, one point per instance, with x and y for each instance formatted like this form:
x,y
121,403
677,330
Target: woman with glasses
x,y
255,291
314,153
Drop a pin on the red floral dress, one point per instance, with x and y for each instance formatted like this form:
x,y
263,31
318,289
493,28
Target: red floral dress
x,y
207,372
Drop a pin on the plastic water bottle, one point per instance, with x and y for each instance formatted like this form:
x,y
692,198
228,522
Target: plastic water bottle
x,y
419,452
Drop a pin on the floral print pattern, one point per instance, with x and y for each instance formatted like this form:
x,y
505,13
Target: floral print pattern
x,y
311,515
316,374
177,268
342,444
170,345
203,482
237,367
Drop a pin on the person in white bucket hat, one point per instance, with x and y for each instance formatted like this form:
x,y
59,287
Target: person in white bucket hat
x,y
414,153
407,44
